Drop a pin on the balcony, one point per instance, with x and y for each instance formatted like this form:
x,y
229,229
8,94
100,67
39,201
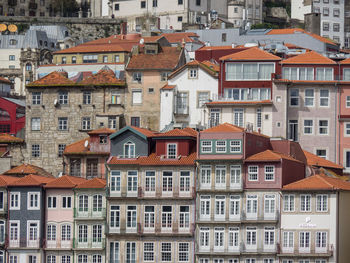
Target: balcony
x,y
58,243
24,243
326,251
90,244
90,214
174,229
159,193
182,110
220,188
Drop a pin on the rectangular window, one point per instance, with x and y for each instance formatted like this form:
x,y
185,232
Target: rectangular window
x,y
14,231
63,97
321,203
149,217
253,173
167,181
308,126
204,233
136,97
324,98
321,153
252,205
205,207
185,181
220,176
96,233
36,98
323,127
269,173
205,176
166,252
220,146
180,2
148,251
36,124
269,236
114,252
61,148
269,204
63,124
130,251
184,249
192,73
171,150
182,103
97,203
219,238
1,200
83,203
321,240
233,238
114,216
150,181
238,118
33,201
137,77
87,97
90,59
164,76
131,216
132,181
74,60
235,205
143,4
86,123
304,240
258,118
288,240
202,98
91,168
324,73
294,97
116,58
251,236
235,146
220,206
51,202
185,217
66,232
12,57
336,27
309,97
33,231
166,217
135,121
305,203
115,97
66,202
115,181
206,146
51,232
288,203
214,117
15,202
112,122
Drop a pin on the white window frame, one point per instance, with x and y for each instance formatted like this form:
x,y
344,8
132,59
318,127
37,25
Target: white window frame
x,y
288,241
311,127
220,207
288,203
114,217
253,173
149,218
205,148
183,252
29,238
170,151
346,129
235,176
305,203
136,100
308,97
131,225
150,181
132,181
66,203
185,182
321,203
115,181
220,146
51,203
235,146
205,207
323,127
252,206
129,150
167,218
347,100
148,251
13,206
304,241
204,239
219,239
269,173
235,207
205,174
297,97
233,239
220,176
37,207
324,98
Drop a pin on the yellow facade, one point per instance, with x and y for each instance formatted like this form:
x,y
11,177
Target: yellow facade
x,y
111,57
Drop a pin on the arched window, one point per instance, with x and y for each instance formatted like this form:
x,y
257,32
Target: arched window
x,y
129,150
28,67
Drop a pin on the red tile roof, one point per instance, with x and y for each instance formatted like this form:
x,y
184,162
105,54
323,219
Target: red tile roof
x,y
7,138
146,132
256,102
167,59
180,37
168,87
78,148
269,156
251,54
318,182
314,160
155,160
53,79
92,183
5,180
311,57
31,180
225,127
345,61
211,68
3,80
65,181
179,133
220,47
26,169
102,131
211,65
103,77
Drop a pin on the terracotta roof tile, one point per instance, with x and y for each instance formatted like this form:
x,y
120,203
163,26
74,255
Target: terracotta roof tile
x,y
314,160
5,180
3,80
211,65
311,57
144,131
102,131
53,79
318,182
31,180
65,181
155,160
251,54
180,37
78,148
345,61
167,59
269,156
210,68
92,183
179,133
103,77
168,87
225,127
219,47
256,102
26,169
7,138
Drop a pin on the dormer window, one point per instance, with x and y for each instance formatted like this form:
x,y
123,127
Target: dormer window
x,y
220,146
103,139
129,150
192,73
171,150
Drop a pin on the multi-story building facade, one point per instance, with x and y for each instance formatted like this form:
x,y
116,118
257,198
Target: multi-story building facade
x,y
151,202
312,217
194,82
60,108
89,241
11,149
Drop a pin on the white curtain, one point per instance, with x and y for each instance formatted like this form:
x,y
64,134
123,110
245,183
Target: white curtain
x,y
265,71
233,71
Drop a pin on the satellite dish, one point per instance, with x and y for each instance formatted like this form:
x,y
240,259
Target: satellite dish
x,y
142,41
12,28
3,27
86,143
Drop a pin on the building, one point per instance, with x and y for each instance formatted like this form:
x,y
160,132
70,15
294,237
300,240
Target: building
x,y
151,197
59,218
146,73
6,87
12,116
25,169
193,82
311,219
11,152
89,241
65,110
87,157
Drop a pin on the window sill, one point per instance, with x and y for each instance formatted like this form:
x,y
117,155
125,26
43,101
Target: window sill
x,y
88,130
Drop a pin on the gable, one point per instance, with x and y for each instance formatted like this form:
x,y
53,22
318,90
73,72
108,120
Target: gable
x,y
140,141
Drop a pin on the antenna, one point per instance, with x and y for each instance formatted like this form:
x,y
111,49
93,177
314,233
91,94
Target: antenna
x,y
86,143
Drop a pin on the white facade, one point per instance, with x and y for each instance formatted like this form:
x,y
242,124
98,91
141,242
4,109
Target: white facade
x,y
300,8
235,13
10,60
193,89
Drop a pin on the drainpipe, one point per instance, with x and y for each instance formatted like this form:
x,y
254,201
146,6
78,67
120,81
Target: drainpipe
x,y
8,225
74,253
287,105
336,87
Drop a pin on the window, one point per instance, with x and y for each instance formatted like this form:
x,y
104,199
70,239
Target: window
x,y
253,173
15,201
14,231
1,200
324,97
74,60
83,203
324,73
82,259
63,97
167,181
214,117
234,205
180,2
136,97
129,150
294,97
143,4
61,148
91,168
132,181
251,236
207,146
33,231
131,216
288,240
321,153
269,173
202,98
184,217
325,26
36,98
149,217
166,252
97,203
66,202
115,97
323,127
223,37
96,233
51,232
325,11
137,77
86,123
304,240
184,249
97,259
235,146
204,238
288,203
252,205
258,118
116,58
115,181
269,236
346,76
114,252
105,59
249,71
135,121
182,103
50,259
336,12
205,207
164,76
13,259
64,60
336,27
90,58
36,124
309,97
63,124
171,150
150,181
198,2
115,216
116,7
193,73
233,238
205,177
305,203
220,176
308,126
2,235
185,181
12,57
87,97
33,201
238,117
179,19
220,146
112,122
321,240
66,232
51,202
103,139
220,206
82,233
148,251
321,203
219,238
